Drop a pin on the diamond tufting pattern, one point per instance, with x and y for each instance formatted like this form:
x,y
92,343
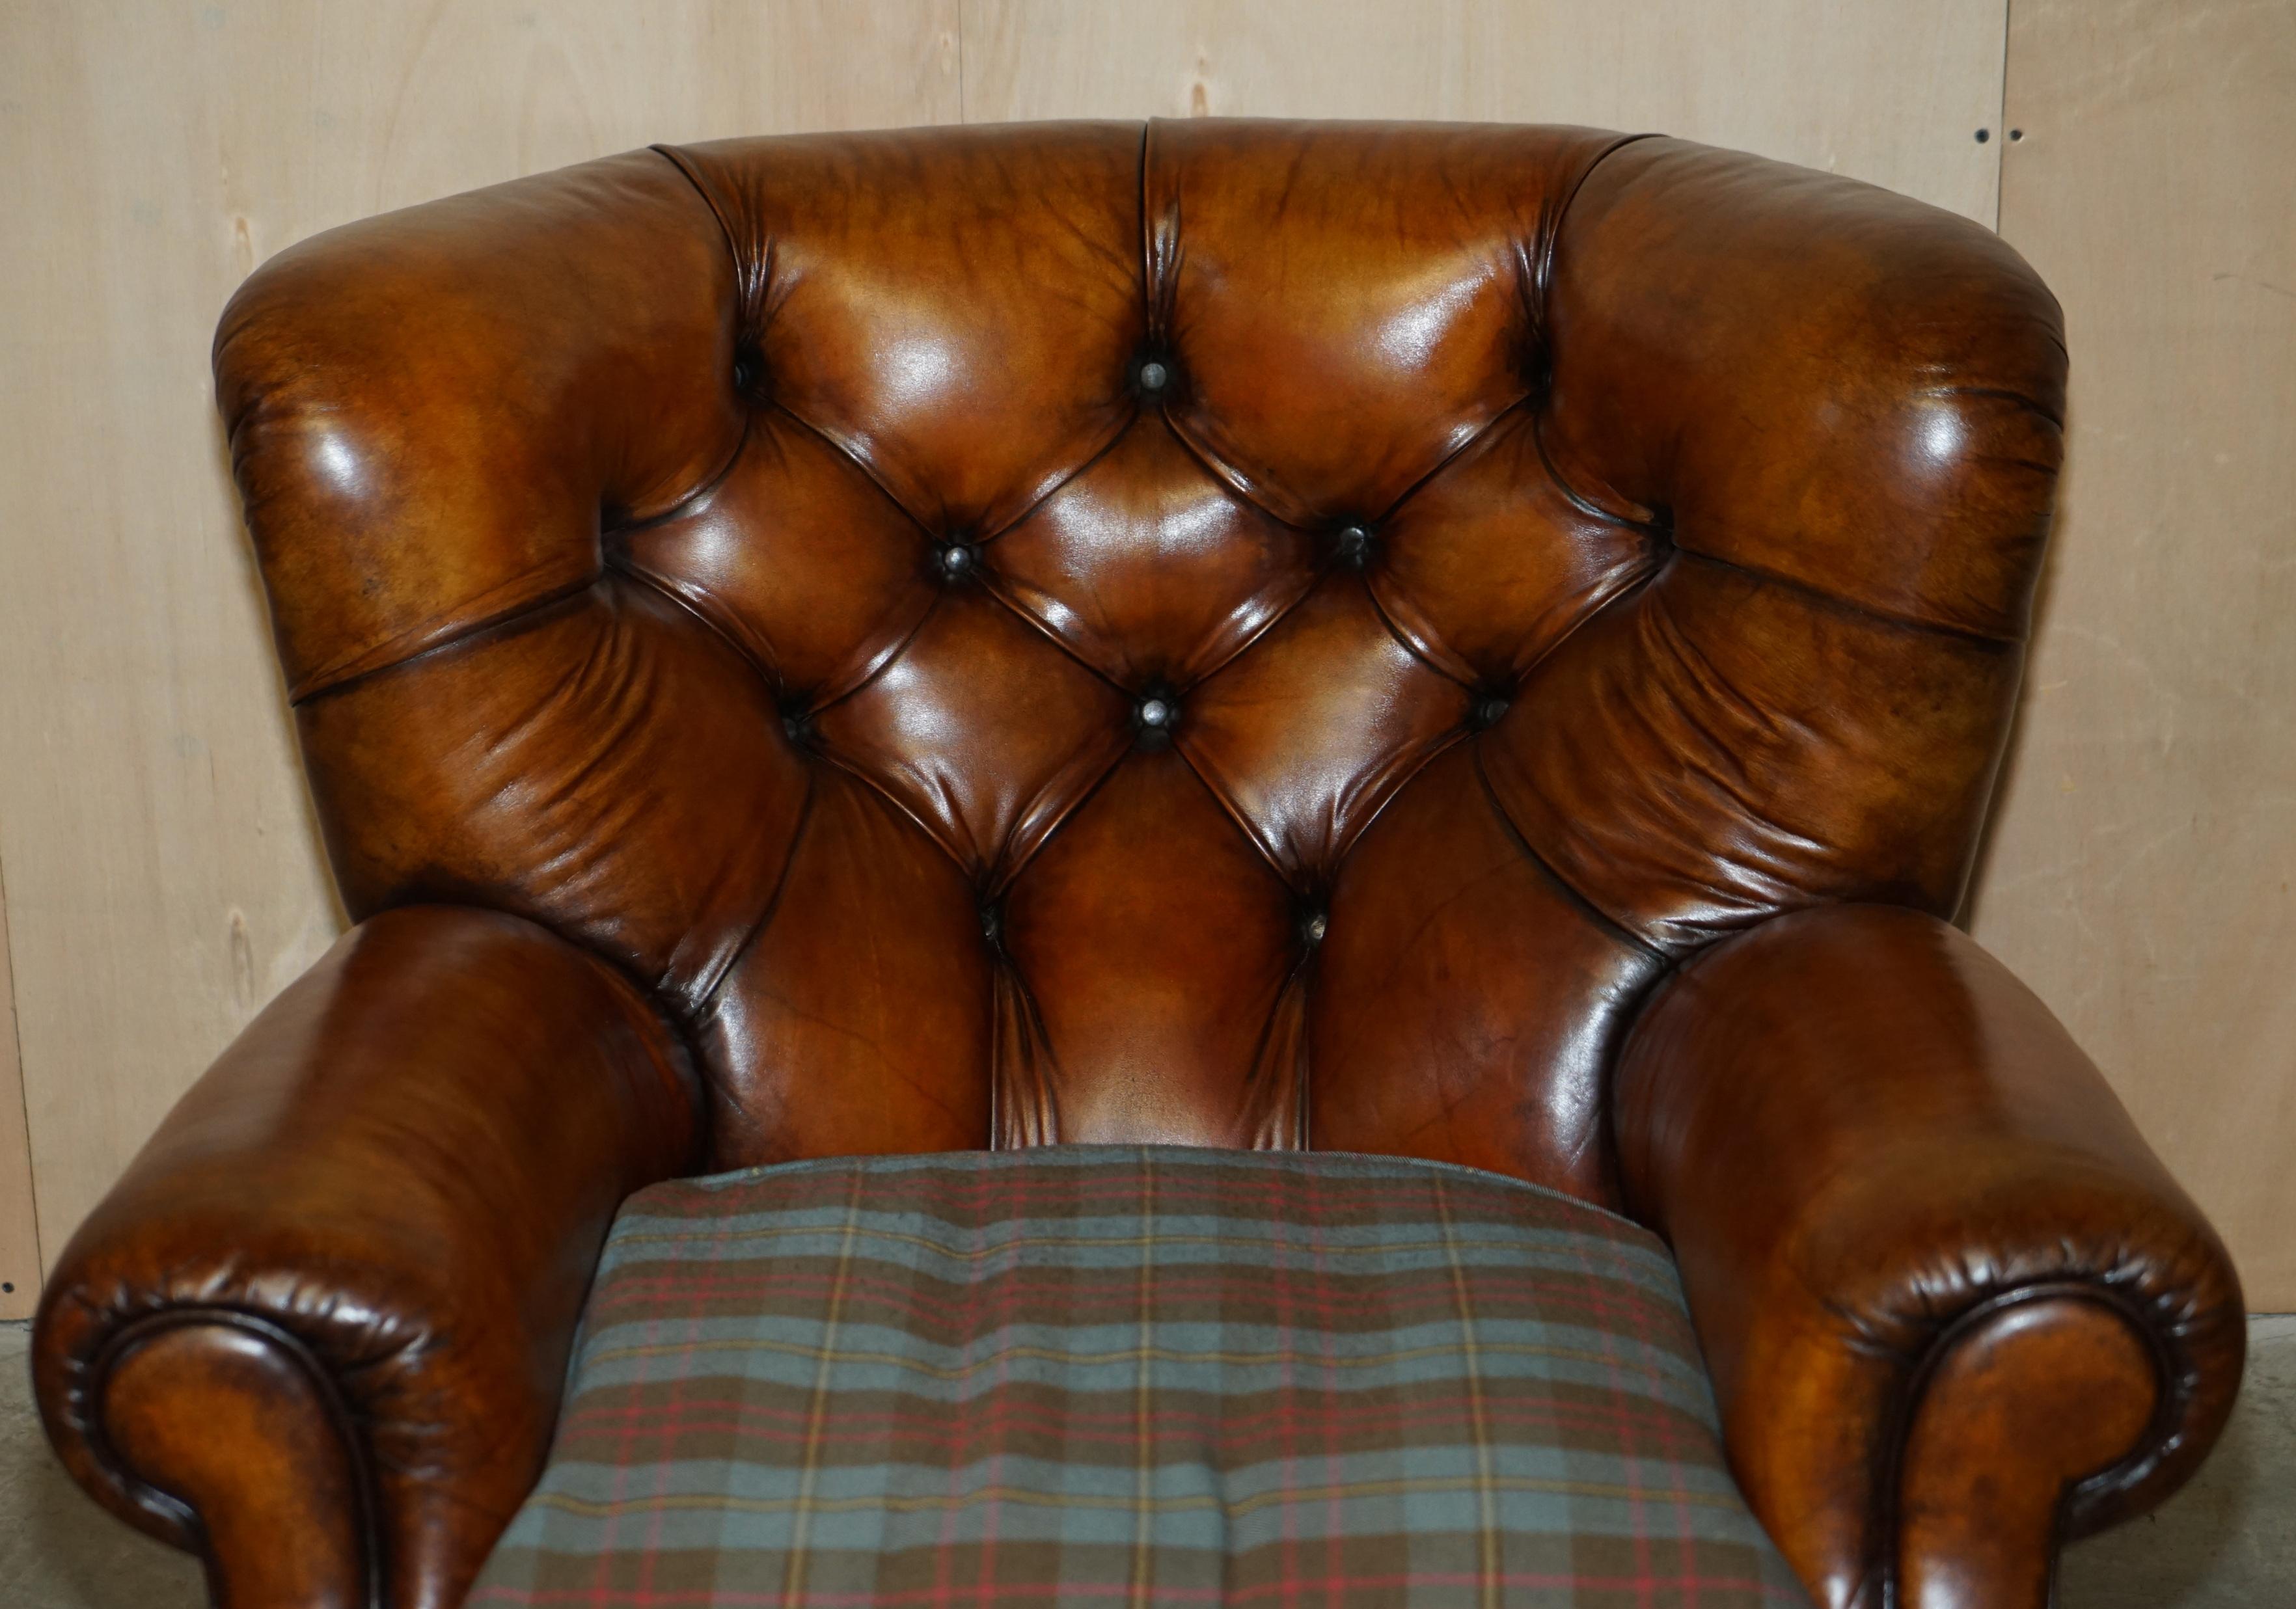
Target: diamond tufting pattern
x,y
1249,634
1472,643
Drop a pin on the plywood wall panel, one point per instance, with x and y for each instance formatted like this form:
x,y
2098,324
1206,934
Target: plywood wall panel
x,y
156,844
1891,93
19,1233
2144,846
162,867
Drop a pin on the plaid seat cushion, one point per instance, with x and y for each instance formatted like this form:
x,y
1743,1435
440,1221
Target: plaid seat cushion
x,y
1133,1376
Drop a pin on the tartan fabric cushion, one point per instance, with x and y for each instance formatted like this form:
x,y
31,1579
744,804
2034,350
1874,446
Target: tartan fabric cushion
x,y
1133,1376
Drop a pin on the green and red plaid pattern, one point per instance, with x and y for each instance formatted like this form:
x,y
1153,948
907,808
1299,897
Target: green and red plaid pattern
x,y
1133,1376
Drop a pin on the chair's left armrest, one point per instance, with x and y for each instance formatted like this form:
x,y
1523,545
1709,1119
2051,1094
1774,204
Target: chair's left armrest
x,y
319,1330
1954,1308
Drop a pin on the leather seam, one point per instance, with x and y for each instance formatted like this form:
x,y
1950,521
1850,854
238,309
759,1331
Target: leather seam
x,y
1219,469
1302,884
1545,331
1235,816
860,466
1609,924
1552,244
1155,284
859,684
1296,974
1554,232
677,159
637,574
991,879
706,1000
1403,641
687,504
1657,530
1634,580
1001,878
486,626
1211,466
1091,460
1275,619
1850,605
1459,450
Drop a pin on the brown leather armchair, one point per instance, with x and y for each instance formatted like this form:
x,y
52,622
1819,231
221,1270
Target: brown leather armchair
x,y
1486,644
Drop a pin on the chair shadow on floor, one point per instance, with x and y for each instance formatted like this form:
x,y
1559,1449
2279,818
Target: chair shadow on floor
x,y
2229,1537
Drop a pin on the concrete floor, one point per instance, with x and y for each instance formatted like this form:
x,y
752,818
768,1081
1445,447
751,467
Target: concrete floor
x,y
2228,1540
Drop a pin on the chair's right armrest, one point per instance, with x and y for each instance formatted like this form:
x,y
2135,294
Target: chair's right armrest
x,y
319,1330
1955,1310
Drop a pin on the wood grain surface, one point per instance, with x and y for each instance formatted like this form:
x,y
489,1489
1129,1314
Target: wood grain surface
x,y
2144,846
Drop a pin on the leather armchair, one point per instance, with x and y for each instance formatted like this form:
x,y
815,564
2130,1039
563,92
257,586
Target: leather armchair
x,y
1473,644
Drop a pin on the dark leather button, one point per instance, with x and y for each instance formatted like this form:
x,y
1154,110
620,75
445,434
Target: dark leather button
x,y
1487,710
1353,544
748,370
1153,375
1155,711
1312,929
956,560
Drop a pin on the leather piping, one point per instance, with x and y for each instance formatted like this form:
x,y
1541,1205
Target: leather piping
x,y
1654,521
2169,1409
341,1420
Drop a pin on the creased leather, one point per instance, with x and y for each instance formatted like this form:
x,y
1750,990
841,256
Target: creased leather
x,y
401,1172
1236,632
1859,1133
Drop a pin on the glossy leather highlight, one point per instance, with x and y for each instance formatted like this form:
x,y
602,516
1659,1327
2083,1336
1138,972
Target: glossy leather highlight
x,y
1240,633
1868,1144
387,1198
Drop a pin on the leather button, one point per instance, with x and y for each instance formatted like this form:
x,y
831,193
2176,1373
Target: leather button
x,y
1353,544
1153,376
749,372
1154,716
1312,930
957,560
1487,710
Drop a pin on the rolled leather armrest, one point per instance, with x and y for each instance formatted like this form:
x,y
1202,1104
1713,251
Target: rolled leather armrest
x,y
318,1329
1954,1308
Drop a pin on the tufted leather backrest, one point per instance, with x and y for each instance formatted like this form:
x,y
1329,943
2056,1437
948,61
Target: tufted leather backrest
x,y
1262,634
